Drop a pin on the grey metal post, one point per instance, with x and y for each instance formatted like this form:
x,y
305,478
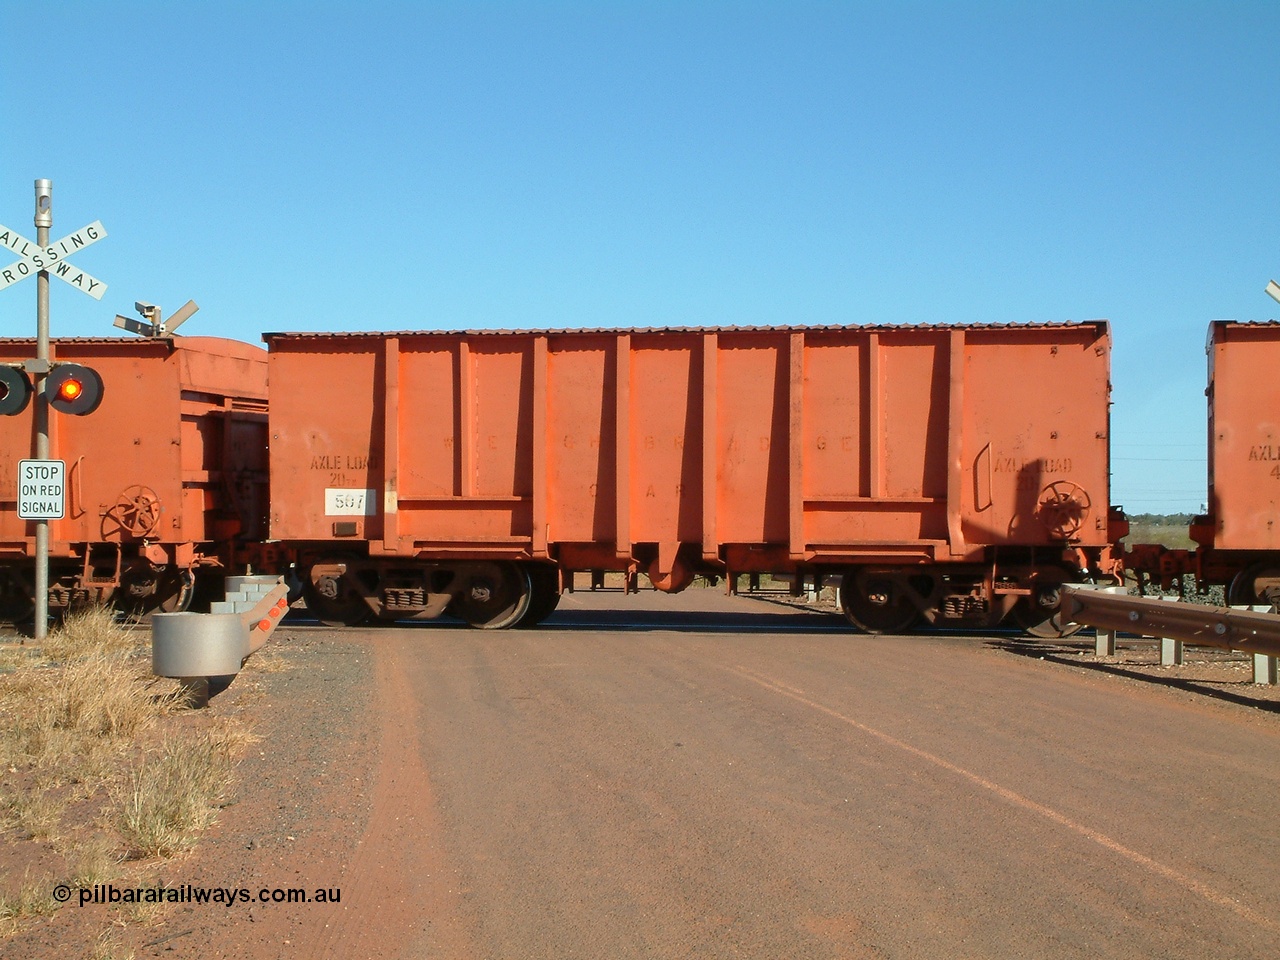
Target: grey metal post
x,y
1104,643
1264,667
44,220
1171,652
1171,648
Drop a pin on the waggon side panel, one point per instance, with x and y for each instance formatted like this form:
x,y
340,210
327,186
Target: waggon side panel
x,y
581,440
326,421
665,429
1036,417
1244,435
752,453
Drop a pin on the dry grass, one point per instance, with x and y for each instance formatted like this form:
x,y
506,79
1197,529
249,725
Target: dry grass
x,y
101,695
66,720
107,947
92,630
140,914
96,860
172,794
89,767
32,900
35,813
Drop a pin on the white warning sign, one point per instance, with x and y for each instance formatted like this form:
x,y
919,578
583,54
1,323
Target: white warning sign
x,y
42,488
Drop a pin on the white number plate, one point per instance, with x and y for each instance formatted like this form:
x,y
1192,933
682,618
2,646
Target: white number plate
x,y
350,503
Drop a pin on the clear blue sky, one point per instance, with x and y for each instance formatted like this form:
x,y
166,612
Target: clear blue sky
x,y
332,166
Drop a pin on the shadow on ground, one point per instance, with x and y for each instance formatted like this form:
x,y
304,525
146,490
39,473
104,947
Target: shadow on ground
x,y
1074,653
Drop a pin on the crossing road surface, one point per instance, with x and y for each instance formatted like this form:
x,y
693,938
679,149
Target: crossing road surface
x,y
726,778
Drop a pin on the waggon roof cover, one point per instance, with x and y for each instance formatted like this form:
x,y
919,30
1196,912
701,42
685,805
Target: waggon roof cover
x,y
90,341
202,342
797,328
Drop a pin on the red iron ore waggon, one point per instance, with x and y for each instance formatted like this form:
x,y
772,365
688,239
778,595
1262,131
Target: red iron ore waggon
x,y
1239,539
165,481
950,474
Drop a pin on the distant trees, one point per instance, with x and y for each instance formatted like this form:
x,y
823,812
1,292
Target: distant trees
x,y
1161,519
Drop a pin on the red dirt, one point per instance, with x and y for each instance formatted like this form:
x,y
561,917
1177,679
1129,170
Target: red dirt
x,y
335,796
322,801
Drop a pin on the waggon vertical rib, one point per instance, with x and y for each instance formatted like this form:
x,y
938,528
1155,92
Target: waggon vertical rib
x,y
874,442
466,423
391,444
710,446
795,472
955,443
622,444
539,438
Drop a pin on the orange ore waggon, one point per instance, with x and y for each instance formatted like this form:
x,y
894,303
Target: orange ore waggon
x,y
948,474
1238,539
166,481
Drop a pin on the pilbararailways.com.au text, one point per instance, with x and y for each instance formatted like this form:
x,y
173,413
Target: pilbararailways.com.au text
x,y
108,893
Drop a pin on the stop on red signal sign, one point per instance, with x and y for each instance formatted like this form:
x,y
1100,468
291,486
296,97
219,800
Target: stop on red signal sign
x,y
42,486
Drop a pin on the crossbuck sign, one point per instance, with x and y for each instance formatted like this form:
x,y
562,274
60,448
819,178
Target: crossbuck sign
x,y
52,257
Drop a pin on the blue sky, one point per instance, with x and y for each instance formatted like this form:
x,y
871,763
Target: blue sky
x,y
380,165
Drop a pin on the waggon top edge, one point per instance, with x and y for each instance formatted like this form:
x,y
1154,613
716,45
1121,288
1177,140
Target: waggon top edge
x,y
1101,325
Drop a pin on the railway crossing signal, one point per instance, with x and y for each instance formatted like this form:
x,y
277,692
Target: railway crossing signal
x,y
35,258
65,387
70,388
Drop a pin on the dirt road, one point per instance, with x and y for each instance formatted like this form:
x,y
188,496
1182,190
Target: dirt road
x,y
716,781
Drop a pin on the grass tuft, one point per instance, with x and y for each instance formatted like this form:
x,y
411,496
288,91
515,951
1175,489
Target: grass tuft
x,y
101,695
107,947
96,861
34,813
89,694
92,630
172,794
33,899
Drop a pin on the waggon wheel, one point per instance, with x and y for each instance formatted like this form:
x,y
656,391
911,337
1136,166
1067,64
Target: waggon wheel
x,y
176,592
1251,585
16,602
1040,614
330,598
546,595
494,596
875,604
145,590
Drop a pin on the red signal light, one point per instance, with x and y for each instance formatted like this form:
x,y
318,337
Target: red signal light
x,y
73,388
